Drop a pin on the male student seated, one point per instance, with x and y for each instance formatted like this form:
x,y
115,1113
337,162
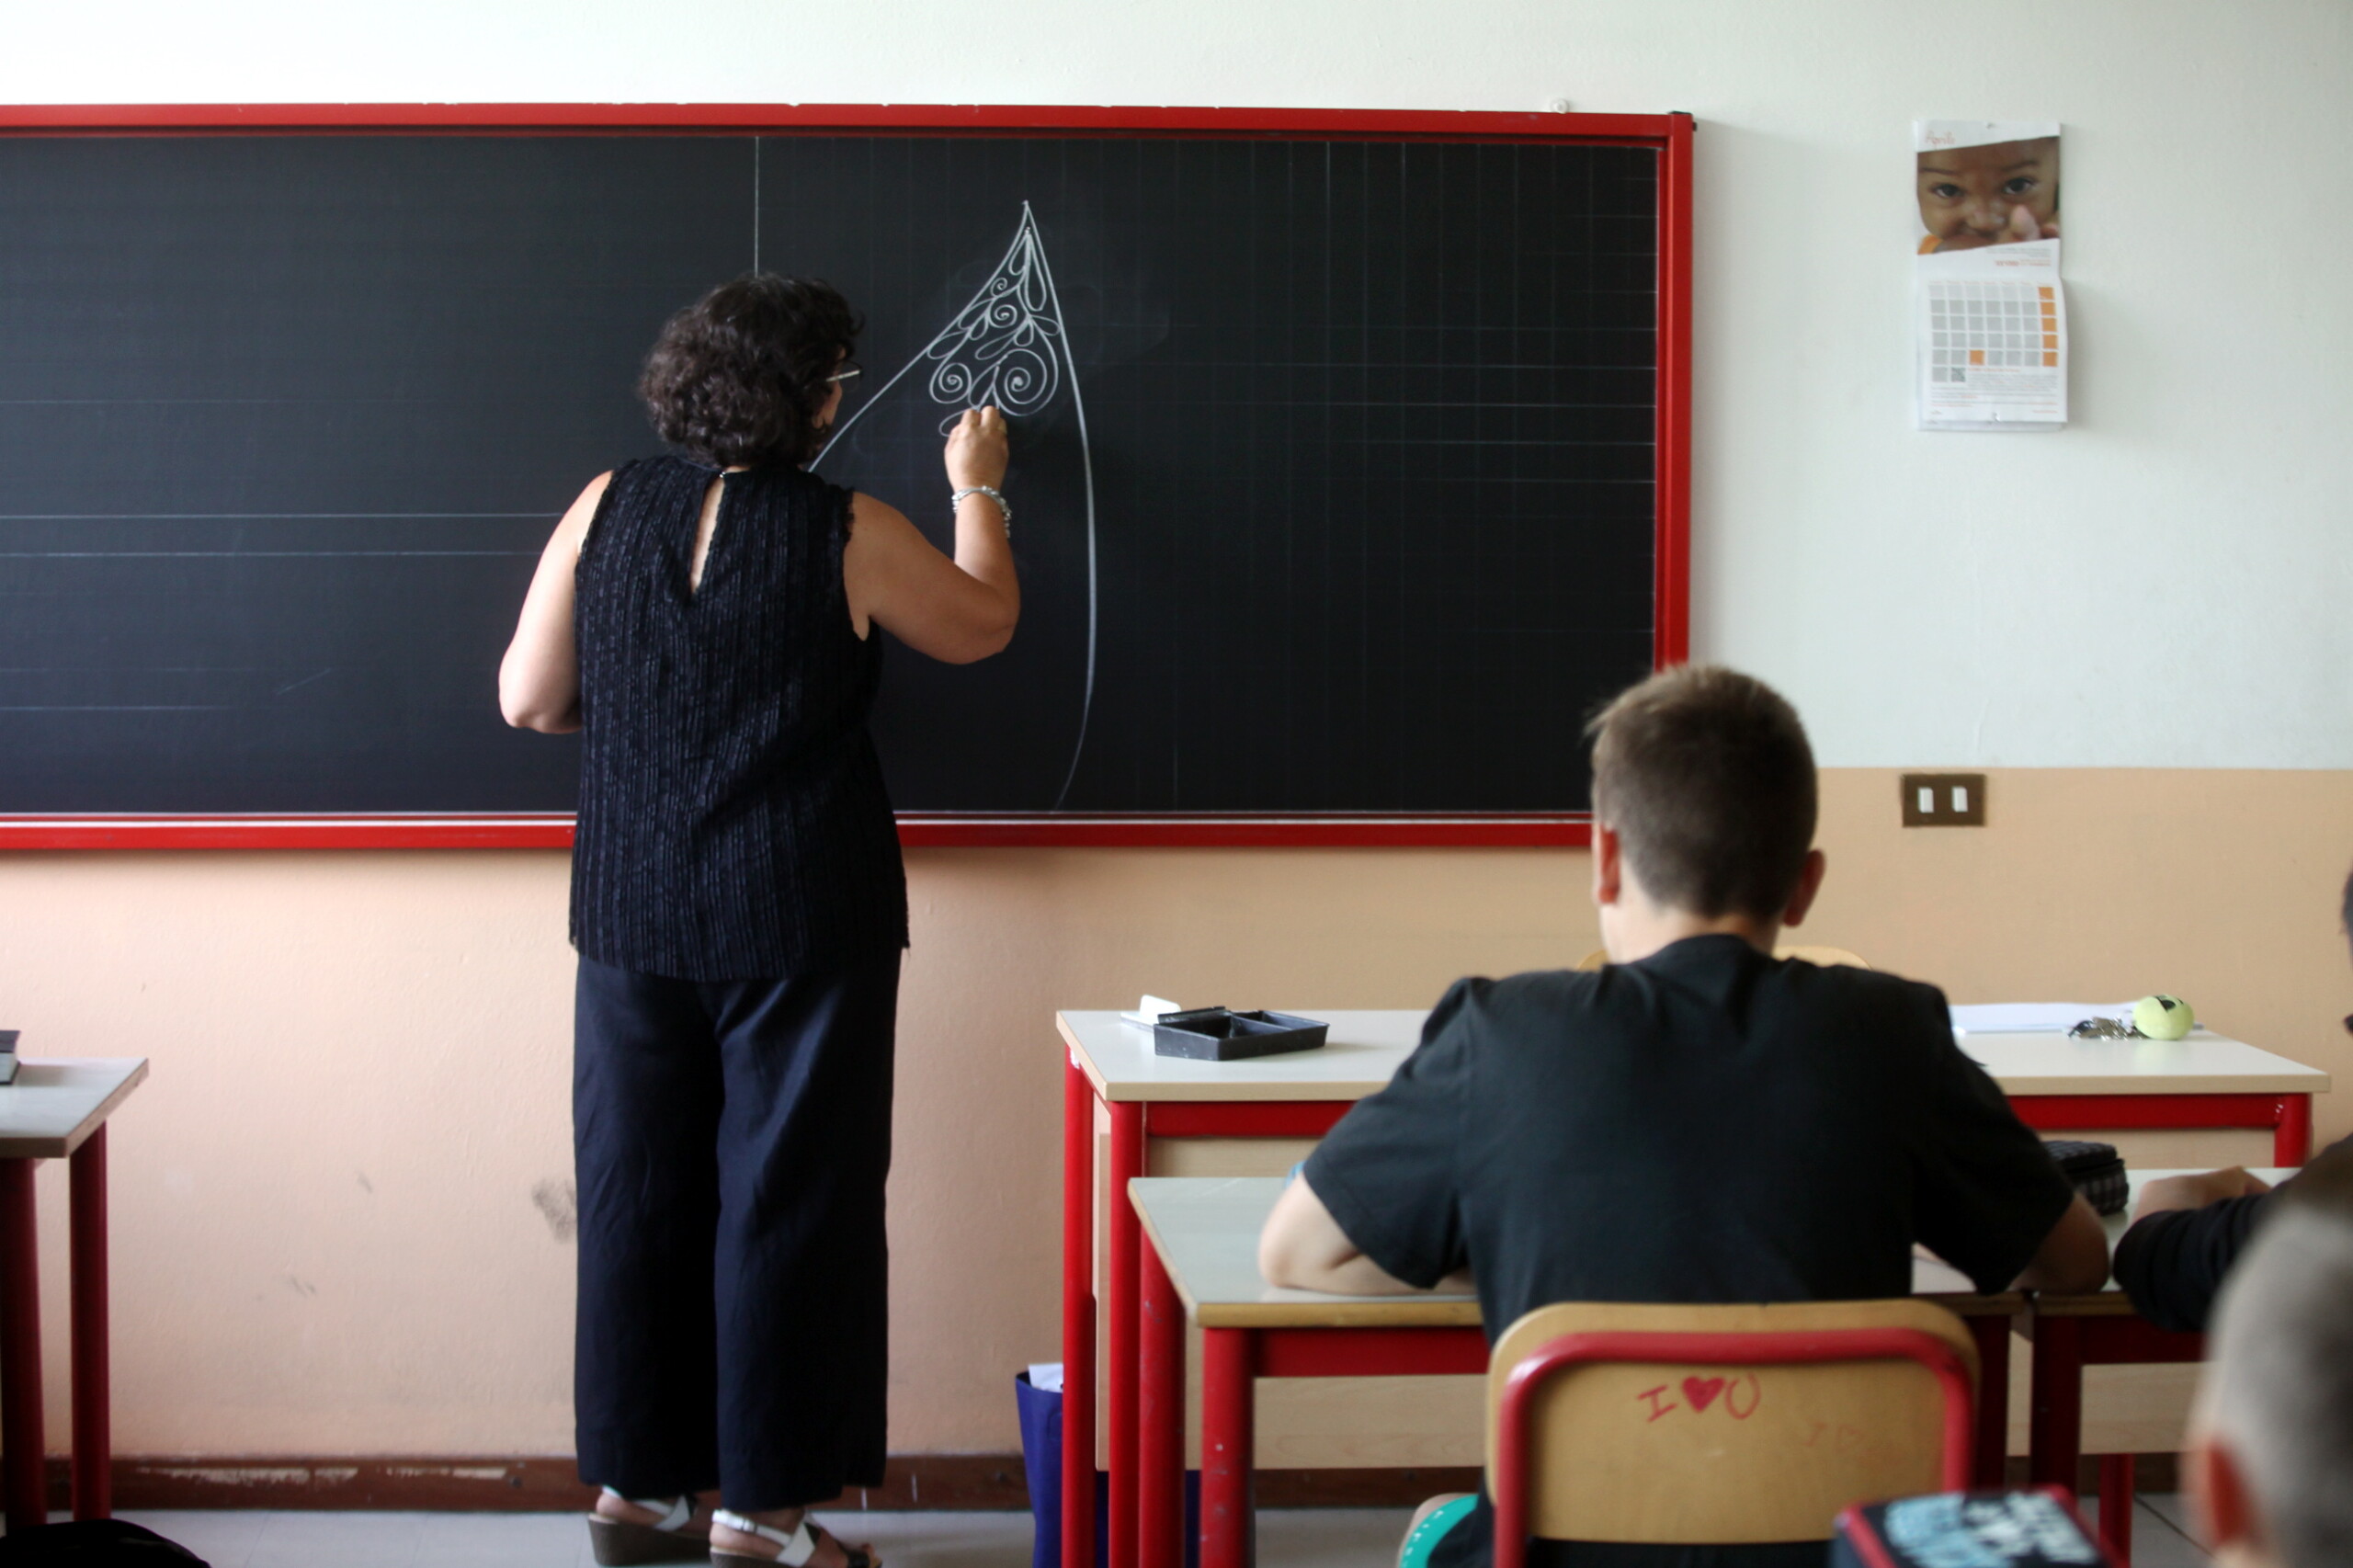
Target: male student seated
x,y
2189,1230
2271,1444
1697,1121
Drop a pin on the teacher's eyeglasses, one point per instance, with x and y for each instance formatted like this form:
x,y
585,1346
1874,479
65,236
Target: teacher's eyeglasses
x,y
845,373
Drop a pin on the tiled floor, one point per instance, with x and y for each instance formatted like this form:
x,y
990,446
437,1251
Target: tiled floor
x,y
1305,1538
2161,1536
1294,1537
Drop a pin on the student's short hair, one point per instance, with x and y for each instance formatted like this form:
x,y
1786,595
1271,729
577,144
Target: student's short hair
x,y
740,376
2279,1387
1705,776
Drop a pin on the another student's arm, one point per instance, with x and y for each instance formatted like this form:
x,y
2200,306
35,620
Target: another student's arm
x,y
2171,1193
539,680
2187,1232
2073,1259
957,611
1304,1248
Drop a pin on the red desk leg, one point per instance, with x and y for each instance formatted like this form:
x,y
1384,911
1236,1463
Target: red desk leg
x,y
2291,1140
1229,1513
1993,1337
1160,1407
22,1481
93,1435
1078,1318
2056,1424
2116,1505
1127,1243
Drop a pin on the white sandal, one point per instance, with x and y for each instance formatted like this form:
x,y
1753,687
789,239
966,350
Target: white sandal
x,y
624,1543
795,1547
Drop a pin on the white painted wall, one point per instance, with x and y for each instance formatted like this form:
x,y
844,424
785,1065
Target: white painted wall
x,y
2166,583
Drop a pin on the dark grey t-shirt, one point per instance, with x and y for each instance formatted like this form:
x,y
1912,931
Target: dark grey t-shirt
x,y
1711,1124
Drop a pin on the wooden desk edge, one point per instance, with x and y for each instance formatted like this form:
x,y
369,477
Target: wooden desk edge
x,y
1368,1312
2300,1080
1228,1091
2312,1081
2109,1303
1078,1052
1372,1312
56,1148
1415,1311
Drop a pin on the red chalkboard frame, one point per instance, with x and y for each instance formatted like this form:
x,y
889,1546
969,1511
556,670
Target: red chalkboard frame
x,y
1670,134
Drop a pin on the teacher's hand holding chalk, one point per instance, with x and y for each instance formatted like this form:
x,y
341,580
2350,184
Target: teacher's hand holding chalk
x,y
976,457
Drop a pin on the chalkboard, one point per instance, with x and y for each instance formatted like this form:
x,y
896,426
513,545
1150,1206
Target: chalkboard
x,y
1337,470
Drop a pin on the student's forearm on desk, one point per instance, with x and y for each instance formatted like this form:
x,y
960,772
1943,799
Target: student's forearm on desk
x,y
1304,1248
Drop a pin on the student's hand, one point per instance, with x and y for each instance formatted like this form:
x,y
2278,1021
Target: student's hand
x,y
976,450
2170,1193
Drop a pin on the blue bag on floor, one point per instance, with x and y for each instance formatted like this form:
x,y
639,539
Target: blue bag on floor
x,y
1041,1464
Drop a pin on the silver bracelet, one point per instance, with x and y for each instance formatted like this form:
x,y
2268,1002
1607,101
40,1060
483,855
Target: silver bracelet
x,y
1005,508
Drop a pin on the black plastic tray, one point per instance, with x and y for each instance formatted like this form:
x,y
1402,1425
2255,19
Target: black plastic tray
x,y
1221,1034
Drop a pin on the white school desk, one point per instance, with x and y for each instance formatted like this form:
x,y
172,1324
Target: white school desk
x,y
2057,1084
1200,1265
57,1107
2099,1329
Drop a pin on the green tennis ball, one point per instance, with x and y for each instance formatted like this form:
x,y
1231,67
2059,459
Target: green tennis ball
x,y
2162,1017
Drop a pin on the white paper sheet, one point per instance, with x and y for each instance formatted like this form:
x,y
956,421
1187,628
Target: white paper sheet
x,y
2032,1017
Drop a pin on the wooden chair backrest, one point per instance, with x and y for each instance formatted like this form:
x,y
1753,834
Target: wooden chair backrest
x,y
1824,956
1828,958
1683,1444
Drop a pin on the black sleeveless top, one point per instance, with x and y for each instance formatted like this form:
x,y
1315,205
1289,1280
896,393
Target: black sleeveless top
x,y
733,823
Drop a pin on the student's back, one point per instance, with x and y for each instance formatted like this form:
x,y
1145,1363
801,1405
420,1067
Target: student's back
x,y
1699,1123
1708,1124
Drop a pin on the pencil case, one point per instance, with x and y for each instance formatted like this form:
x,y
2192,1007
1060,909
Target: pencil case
x,y
1220,1034
2018,1529
2097,1169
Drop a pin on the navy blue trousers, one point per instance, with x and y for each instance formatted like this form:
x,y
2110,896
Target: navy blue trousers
x,y
732,1140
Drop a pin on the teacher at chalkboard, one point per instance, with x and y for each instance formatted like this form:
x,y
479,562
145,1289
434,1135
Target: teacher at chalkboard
x,y
708,623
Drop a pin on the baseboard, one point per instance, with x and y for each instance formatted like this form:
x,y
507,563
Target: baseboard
x,y
552,1484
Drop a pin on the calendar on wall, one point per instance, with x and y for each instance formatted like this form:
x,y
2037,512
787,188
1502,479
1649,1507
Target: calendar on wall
x,y
1989,313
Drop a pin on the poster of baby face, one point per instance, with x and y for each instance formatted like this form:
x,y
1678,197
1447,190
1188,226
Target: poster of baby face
x,y
1985,182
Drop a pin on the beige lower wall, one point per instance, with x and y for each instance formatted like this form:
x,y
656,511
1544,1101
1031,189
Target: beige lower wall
x,y
330,1200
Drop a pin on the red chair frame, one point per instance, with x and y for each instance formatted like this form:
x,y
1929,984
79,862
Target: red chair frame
x,y
1791,1349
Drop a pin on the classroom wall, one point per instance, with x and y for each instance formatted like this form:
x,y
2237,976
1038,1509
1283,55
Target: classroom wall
x,y
339,1201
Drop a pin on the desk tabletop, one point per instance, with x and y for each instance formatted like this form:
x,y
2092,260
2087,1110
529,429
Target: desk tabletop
x,y
1366,1047
2109,1300
1361,1054
1206,1230
2201,1062
57,1102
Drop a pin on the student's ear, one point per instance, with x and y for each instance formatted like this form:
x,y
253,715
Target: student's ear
x,y
2219,1498
1808,884
1608,866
